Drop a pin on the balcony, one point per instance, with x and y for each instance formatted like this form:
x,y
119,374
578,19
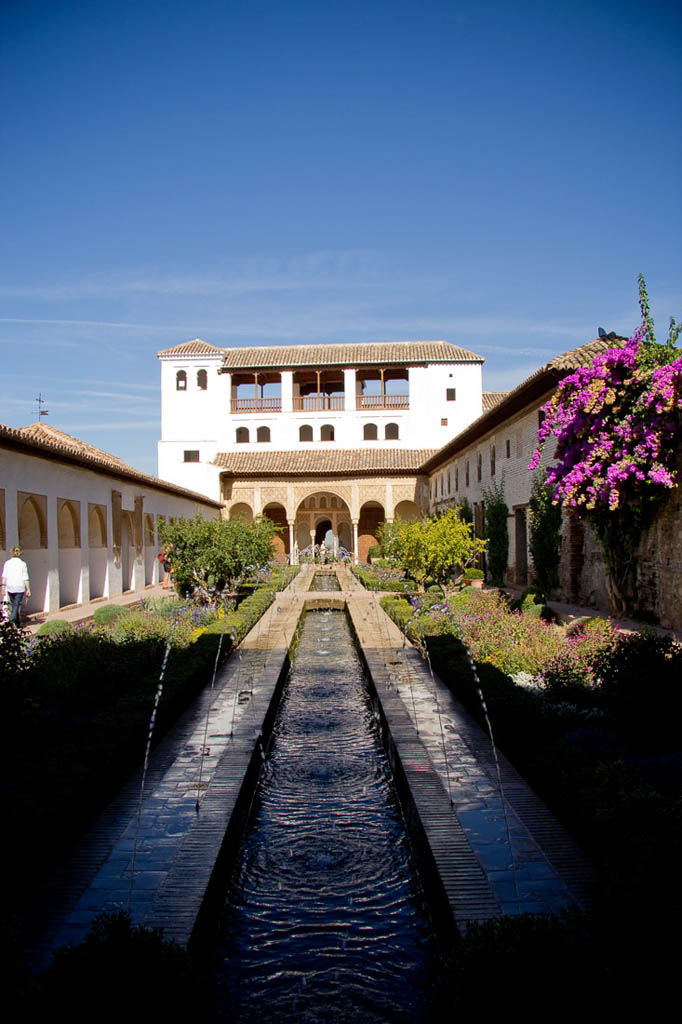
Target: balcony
x,y
319,403
373,402
256,405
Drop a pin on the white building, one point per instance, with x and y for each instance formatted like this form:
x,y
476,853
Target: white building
x,y
87,522
405,396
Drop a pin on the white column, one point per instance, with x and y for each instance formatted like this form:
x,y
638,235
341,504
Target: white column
x,y
52,593
287,378
292,552
350,404
355,542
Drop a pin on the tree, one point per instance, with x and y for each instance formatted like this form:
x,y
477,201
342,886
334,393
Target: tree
x,y
435,547
617,424
544,516
497,532
215,554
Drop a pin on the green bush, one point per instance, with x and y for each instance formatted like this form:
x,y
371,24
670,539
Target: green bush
x,y
474,574
530,596
531,955
54,627
159,973
109,613
382,577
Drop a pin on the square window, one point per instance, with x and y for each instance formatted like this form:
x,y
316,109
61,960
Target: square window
x,y
192,455
443,423
450,394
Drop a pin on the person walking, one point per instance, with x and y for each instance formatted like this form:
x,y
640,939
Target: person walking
x,y
15,584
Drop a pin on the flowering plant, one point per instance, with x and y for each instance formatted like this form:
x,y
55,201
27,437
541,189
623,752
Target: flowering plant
x,y
617,422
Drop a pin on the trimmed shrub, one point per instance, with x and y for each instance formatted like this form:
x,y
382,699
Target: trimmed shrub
x,y
109,613
55,627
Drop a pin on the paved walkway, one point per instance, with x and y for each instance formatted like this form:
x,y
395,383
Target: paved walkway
x,y
157,857
83,612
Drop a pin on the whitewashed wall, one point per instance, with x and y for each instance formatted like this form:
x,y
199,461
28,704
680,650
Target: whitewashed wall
x,y
73,572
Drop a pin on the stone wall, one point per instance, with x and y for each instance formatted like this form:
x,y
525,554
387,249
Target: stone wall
x,y
659,557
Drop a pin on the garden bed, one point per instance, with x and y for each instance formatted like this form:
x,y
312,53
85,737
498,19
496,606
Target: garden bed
x,y
79,703
591,721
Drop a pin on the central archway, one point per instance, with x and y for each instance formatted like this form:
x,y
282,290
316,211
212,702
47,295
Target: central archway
x,y
323,517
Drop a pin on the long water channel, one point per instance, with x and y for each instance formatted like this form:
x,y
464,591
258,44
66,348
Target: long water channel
x,y
325,919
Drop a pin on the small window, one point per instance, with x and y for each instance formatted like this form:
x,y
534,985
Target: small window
x,y
327,432
492,460
263,434
508,448
370,432
305,433
391,432
242,435
181,381
479,467
202,380
443,422
467,472
450,394
456,479
192,455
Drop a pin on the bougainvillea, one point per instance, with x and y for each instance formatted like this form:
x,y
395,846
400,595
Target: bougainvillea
x,y
616,423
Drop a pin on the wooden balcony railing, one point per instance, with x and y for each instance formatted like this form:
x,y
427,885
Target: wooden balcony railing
x,y
384,402
256,405
319,403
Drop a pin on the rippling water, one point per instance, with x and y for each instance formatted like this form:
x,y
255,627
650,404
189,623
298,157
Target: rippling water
x,y
325,581
325,919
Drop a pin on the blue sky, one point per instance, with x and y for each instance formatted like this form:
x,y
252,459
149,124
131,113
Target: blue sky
x,y
490,173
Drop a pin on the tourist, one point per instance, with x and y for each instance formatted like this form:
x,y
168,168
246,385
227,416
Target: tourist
x,y
165,559
15,584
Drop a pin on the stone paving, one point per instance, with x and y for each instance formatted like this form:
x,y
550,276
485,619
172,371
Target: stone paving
x,y
157,858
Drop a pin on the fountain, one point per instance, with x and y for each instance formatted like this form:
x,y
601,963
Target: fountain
x,y
325,917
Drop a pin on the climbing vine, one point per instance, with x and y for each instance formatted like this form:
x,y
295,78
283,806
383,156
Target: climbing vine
x,y
544,517
617,424
497,532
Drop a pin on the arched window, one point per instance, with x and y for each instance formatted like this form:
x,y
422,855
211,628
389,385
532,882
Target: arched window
x,y
202,380
327,432
242,435
305,433
391,432
181,380
370,432
263,434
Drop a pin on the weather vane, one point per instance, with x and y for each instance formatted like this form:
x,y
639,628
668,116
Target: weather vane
x,y
41,402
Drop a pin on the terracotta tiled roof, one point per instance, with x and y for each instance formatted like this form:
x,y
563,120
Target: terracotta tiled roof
x,y
374,353
329,462
543,380
52,436
492,398
197,347
369,353
44,439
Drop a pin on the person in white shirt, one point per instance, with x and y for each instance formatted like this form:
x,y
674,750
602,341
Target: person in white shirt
x,y
15,584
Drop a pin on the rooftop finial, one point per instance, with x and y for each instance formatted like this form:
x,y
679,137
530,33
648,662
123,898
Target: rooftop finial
x,y
41,402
